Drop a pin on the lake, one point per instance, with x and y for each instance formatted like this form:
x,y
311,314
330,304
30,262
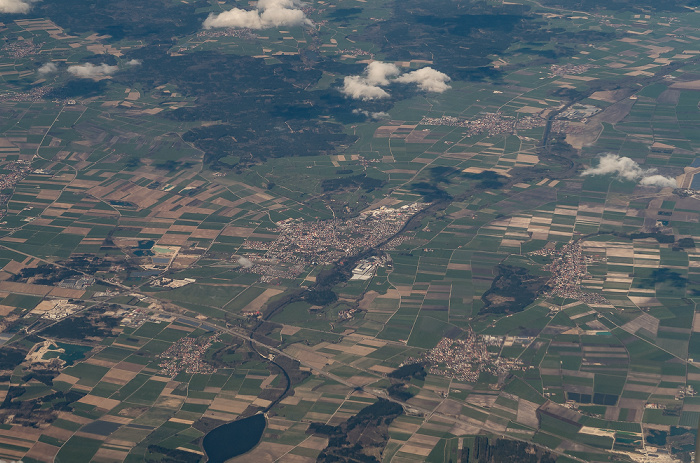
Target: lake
x,y
233,439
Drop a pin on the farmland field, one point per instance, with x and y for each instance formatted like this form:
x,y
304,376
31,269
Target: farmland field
x,y
477,221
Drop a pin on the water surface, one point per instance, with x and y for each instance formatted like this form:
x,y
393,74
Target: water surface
x,y
233,439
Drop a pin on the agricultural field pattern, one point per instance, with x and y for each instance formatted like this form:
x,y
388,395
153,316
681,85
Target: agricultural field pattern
x,y
381,230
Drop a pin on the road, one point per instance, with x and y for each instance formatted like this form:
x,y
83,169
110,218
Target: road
x,y
456,420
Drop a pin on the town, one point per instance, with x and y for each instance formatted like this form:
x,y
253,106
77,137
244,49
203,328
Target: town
x,y
327,241
491,123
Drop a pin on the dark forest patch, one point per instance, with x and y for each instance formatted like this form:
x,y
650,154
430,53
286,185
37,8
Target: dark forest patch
x,y
512,290
363,437
320,296
506,450
10,358
263,109
83,88
459,37
123,19
88,325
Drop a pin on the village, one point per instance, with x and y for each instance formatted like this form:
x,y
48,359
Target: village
x,y
491,123
17,171
187,355
568,271
466,359
561,70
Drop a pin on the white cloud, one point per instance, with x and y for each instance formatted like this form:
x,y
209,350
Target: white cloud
x,y
372,115
427,79
268,14
89,70
624,167
659,180
628,169
358,88
368,86
235,18
134,62
380,115
48,68
245,263
15,6
379,73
